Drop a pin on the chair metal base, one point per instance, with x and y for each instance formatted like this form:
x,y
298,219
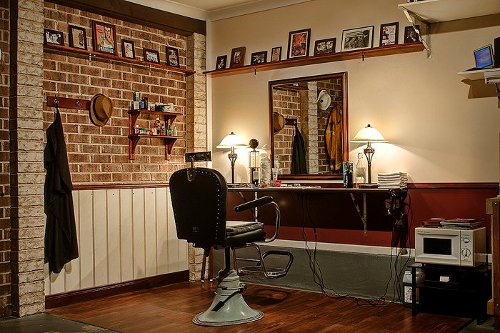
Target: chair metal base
x,y
228,306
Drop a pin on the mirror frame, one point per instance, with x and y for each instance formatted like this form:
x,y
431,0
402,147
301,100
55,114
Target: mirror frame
x,y
345,143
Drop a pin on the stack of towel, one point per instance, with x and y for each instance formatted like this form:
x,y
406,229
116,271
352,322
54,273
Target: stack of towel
x,y
393,180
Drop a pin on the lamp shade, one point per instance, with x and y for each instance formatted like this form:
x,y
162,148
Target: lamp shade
x,y
231,140
368,134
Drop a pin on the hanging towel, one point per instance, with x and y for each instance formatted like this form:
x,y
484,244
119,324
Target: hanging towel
x,y
298,153
60,230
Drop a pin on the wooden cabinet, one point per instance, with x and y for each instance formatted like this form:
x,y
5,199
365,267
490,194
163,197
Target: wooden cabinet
x,y
134,137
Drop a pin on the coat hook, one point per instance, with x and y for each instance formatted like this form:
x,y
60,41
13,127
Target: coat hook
x,y
90,57
362,56
254,71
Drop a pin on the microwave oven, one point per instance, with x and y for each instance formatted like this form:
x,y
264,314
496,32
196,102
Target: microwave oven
x,y
444,246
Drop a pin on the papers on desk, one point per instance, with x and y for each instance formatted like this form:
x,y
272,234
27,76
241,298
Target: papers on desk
x,y
393,180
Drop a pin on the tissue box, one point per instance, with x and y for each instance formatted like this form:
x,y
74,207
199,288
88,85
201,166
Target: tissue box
x,y
165,107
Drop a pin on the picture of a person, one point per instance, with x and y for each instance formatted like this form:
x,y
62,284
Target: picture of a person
x,y
172,58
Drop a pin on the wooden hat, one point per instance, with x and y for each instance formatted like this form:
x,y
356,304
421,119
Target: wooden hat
x,y
278,122
101,109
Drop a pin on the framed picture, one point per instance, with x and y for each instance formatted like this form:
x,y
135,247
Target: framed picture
x,y
276,54
324,46
104,37
411,35
258,57
77,37
53,37
237,57
128,49
389,34
151,56
298,43
357,39
221,62
172,56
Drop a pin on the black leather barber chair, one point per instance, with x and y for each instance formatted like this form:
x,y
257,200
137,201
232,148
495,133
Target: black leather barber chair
x,y
199,198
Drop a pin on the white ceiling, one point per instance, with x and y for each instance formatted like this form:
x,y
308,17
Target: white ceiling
x,y
211,10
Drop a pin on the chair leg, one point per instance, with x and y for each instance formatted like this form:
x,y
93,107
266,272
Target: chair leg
x,y
203,267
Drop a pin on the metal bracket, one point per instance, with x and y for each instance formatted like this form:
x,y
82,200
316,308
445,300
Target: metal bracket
x,y
426,41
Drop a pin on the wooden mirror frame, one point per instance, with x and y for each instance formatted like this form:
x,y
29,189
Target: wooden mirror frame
x,y
345,143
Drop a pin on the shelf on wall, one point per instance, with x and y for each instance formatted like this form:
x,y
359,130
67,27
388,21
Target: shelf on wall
x,y
311,60
432,11
92,55
134,139
480,73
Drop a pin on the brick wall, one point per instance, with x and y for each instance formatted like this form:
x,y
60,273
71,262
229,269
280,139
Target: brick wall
x,y
100,154
5,278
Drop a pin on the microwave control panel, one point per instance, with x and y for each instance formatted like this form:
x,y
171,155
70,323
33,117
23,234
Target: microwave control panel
x,y
466,249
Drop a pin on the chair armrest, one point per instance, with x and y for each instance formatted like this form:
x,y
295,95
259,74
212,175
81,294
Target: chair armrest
x,y
254,203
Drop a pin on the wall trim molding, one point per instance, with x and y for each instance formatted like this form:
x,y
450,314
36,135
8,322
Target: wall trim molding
x,y
84,187
62,299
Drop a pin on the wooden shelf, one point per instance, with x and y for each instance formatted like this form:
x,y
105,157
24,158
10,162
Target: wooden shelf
x,y
432,11
479,74
134,139
311,60
91,55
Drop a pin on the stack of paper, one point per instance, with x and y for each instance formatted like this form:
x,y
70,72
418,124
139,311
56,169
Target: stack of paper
x,y
393,180
460,223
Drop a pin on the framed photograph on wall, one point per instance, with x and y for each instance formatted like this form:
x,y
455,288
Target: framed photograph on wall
x,y
104,37
221,62
389,34
298,43
258,58
172,56
324,46
53,37
357,39
151,56
276,54
411,35
237,57
128,49
77,37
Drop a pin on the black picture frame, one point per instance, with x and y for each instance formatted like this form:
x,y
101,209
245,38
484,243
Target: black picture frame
x,y
77,37
298,43
410,35
172,56
53,37
104,37
221,62
237,57
389,34
276,54
357,38
152,56
258,58
324,46
128,49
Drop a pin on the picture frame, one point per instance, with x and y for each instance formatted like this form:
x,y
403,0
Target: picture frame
x,y
324,46
53,37
128,49
258,58
357,38
151,56
221,62
172,56
389,34
77,37
237,57
410,35
104,37
276,54
298,43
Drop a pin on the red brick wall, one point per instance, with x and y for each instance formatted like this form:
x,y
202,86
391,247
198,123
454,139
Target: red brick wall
x,y
100,154
5,271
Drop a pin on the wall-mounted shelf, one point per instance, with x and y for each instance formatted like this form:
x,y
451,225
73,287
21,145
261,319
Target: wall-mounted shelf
x,y
134,138
96,55
311,60
480,74
432,11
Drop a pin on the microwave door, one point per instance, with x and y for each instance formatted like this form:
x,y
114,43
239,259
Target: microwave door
x,y
443,248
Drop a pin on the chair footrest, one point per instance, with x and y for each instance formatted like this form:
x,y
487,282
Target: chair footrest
x,y
271,273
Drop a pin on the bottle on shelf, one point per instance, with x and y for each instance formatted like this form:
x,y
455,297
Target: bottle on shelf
x,y
360,170
265,169
169,129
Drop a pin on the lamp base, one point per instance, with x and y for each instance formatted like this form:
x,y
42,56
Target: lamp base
x,y
368,185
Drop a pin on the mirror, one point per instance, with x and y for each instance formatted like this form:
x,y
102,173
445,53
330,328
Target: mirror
x,y
308,118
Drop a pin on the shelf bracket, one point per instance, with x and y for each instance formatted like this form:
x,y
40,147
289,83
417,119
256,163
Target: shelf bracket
x,y
426,41
132,144
362,214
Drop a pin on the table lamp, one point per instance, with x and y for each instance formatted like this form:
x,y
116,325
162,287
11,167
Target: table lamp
x,y
231,141
368,135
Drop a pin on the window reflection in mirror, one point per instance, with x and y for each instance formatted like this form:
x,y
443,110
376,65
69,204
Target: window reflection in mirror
x,y
308,118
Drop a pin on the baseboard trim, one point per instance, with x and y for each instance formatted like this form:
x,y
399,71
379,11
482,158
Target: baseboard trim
x,y
62,299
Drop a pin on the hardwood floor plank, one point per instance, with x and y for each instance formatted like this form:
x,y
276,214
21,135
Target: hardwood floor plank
x,y
171,309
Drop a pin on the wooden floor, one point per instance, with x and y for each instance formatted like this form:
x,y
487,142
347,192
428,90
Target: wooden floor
x,y
171,309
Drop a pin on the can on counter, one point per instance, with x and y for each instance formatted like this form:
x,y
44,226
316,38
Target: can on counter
x,y
347,173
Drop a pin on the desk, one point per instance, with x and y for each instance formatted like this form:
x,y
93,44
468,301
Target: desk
x,y
342,208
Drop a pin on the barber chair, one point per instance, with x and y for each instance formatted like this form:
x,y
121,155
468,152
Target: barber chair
x,y
199,199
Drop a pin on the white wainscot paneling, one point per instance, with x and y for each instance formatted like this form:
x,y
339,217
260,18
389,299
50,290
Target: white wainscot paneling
x,y
123,235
